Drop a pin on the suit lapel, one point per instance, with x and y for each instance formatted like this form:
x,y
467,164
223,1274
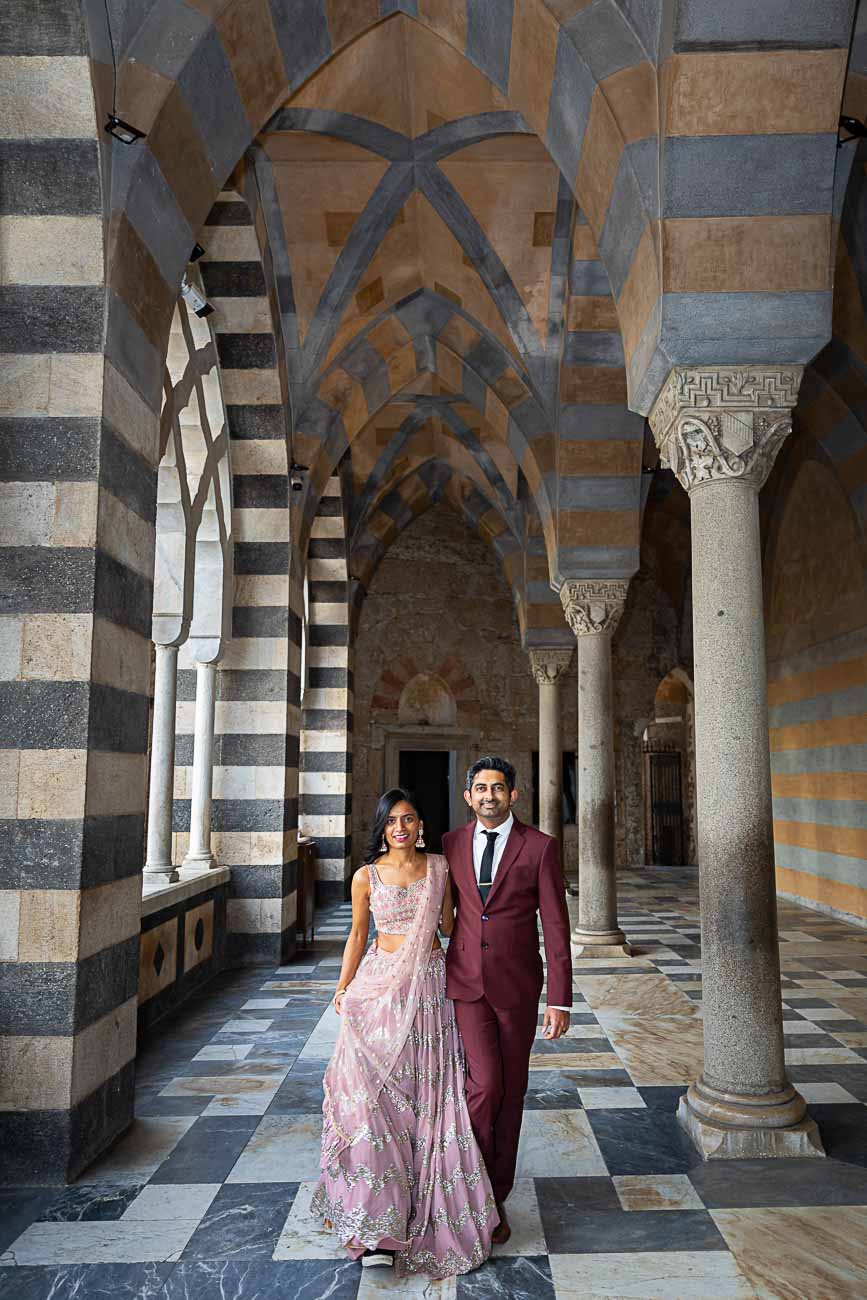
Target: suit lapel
x,y
465,860
514,844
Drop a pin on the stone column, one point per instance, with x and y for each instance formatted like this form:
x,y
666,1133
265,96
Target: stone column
x,y
548,666
199,854
593,609
158,867
719,430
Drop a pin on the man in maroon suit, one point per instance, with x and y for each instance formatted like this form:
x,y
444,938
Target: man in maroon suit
x,y
503,873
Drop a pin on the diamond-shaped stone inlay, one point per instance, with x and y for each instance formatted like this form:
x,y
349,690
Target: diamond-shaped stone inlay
x,y
199,934
159,958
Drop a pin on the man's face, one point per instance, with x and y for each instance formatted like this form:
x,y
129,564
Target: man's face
x,y
490,797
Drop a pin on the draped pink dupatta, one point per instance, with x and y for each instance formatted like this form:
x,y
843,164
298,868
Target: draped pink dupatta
x,y
376,1017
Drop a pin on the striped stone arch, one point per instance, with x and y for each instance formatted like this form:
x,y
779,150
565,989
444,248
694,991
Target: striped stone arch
x,y
537,606
402,671
255,804
425,334
592,85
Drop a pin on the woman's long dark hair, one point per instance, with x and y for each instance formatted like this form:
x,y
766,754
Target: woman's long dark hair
x,y
380,817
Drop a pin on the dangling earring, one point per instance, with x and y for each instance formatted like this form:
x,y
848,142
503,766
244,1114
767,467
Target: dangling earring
x,y
419,844
383,848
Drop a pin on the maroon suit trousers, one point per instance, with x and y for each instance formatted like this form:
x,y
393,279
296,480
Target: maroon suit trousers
x,y
497,1044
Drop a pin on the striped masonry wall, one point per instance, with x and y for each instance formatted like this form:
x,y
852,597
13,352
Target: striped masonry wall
x,y
600,440
325,780
255,808
815,518
78,454
818,738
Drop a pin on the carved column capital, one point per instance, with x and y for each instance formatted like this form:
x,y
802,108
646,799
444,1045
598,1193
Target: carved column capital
x,y
593,605
548,666
715,423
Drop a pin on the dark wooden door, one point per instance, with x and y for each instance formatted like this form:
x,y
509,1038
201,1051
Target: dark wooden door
x,y
666,808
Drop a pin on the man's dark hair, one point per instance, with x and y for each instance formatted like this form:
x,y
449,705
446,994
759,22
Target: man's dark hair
x,y
492,763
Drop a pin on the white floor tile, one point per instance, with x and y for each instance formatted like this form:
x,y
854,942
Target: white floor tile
x,y
113,1242
284,1148
558,1144
167,1201
825,1092
650,1275
303,1236
611,1099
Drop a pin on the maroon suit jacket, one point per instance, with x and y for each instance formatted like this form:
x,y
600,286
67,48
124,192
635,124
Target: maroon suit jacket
x,y
494,949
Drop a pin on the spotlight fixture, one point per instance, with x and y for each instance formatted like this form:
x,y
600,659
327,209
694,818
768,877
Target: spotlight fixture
x,y
296,482
857,130
197,252
193,298
122,130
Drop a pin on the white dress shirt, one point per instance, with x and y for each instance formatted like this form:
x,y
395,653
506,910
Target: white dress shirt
x,y
480,843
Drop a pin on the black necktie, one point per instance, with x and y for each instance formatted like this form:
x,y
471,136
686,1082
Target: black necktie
x,y
487,867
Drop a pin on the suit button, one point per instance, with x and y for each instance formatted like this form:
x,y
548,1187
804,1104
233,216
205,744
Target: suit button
x,y
484,918
484,945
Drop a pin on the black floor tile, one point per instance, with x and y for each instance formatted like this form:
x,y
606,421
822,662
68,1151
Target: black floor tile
x,y
85,1282
297,1096
19,1207
662,1097
90,1203
504,1277
844,1132
307,1279
244,1221
642,1142
208,1150
562,1200
612,1232
741,1184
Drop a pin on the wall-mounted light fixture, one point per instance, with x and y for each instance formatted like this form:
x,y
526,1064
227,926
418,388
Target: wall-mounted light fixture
x,y
122,130
857,130
194,299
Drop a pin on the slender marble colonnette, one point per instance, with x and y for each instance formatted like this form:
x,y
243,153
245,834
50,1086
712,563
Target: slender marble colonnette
x,y
593,609
720,429
159,846
548,666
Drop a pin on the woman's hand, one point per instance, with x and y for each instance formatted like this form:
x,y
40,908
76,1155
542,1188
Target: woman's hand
x,y
337,1000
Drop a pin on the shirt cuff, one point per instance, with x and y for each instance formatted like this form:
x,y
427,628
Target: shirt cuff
x,y
553,1007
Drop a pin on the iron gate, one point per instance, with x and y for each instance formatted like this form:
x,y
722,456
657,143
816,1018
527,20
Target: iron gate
x,y
666,808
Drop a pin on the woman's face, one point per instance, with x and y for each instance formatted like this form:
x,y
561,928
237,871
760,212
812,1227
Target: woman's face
x,y
401,826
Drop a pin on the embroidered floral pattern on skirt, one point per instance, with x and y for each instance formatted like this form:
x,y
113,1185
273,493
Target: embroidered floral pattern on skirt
x,y
411,1177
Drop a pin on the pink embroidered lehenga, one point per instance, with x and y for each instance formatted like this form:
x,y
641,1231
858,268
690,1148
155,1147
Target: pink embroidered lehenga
x,y
401,1169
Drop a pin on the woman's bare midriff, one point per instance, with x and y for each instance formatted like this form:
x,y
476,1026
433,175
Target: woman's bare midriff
x,y
391,942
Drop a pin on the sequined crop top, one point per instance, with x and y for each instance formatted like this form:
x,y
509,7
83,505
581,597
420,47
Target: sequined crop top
x,y
393,907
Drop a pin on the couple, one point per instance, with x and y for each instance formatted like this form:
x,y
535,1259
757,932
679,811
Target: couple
x,y
425,1089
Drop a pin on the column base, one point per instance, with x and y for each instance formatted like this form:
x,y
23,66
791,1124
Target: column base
x,y
161,873
195,866
728,1126
600,943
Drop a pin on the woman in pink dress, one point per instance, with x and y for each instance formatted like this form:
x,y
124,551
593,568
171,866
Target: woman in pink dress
x,y
403,1179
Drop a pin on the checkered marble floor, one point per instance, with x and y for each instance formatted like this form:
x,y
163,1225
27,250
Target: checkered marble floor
x,y
208,1195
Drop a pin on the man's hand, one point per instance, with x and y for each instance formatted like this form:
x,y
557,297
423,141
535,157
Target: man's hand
x,y
555,1023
